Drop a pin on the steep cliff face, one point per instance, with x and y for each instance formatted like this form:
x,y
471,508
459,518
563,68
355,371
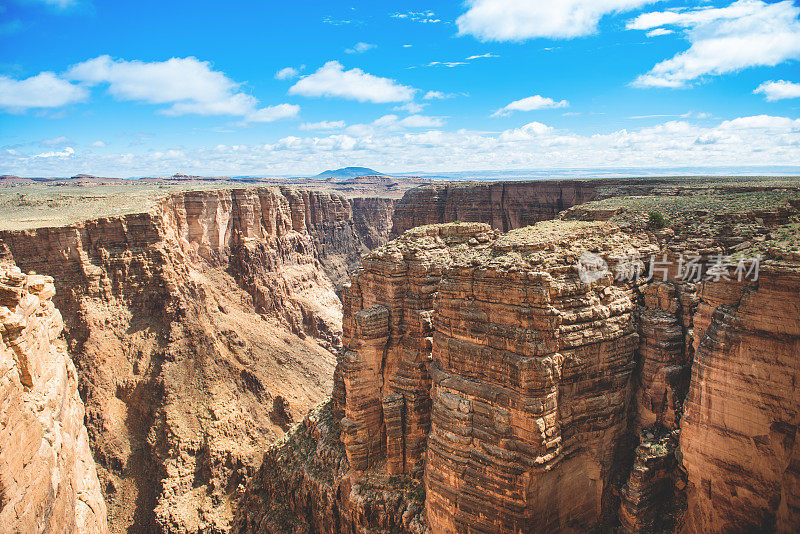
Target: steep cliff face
x,y
197,329
484,367
739,434
503,205
48,481
525,399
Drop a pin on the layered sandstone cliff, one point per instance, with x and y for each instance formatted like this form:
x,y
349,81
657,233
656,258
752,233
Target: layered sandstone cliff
x,y
482,375
198,330
483,367
48,480
739,442
503,205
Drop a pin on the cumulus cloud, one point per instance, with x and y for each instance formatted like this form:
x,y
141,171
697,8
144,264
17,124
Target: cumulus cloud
x,y
99,144
739,142
778,90
323,125
762,122
45,90
747,33
189,85
331,80
514,20
287,73
67,152
530,103
360,48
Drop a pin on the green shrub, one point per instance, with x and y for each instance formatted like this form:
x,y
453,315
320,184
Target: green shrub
x,y
657,220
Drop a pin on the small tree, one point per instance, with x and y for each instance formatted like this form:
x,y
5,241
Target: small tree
x,y
657,220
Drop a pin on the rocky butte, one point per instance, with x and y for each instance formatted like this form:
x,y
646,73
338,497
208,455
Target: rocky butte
x,y
483,386
462,377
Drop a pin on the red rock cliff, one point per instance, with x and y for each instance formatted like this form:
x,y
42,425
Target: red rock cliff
x,y
197,330
48,480
503,205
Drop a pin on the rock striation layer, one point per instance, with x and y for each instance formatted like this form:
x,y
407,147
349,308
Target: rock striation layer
x,y
484,367
503,205
517,395
48,480
739,434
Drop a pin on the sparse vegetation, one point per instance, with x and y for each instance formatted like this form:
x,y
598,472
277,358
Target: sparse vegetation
x,y
657,220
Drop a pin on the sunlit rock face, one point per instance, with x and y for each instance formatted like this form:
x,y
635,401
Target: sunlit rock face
x,y
739,434
186,323
48,481
503,205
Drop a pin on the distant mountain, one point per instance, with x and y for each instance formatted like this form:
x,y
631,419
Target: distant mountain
x,y
347,172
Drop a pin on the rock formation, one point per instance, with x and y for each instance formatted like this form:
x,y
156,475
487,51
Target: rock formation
x,y
186,322
482,369
48,480
739,434
503,205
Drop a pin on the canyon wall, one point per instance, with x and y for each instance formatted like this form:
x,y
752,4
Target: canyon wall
x,y
198,331
503,205
739,434
48,480
485,386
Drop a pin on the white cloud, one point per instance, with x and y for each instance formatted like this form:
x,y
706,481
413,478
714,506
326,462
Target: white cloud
x,y
423,17
659,31
67,152
515,20
360,48
421,121
331,80
778,90
323,125
762,122
393,123
747,33
273,113
530,103
45,90
449,64
191,86
287,73
526,133
436,95
740,142
411,107
99,144
487,55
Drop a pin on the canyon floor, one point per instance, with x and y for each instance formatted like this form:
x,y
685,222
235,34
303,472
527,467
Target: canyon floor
x,y
400,355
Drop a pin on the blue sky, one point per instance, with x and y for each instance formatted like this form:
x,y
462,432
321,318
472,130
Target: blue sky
x,y
275,88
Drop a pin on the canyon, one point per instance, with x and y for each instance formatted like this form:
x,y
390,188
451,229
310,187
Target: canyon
x,y
460,377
